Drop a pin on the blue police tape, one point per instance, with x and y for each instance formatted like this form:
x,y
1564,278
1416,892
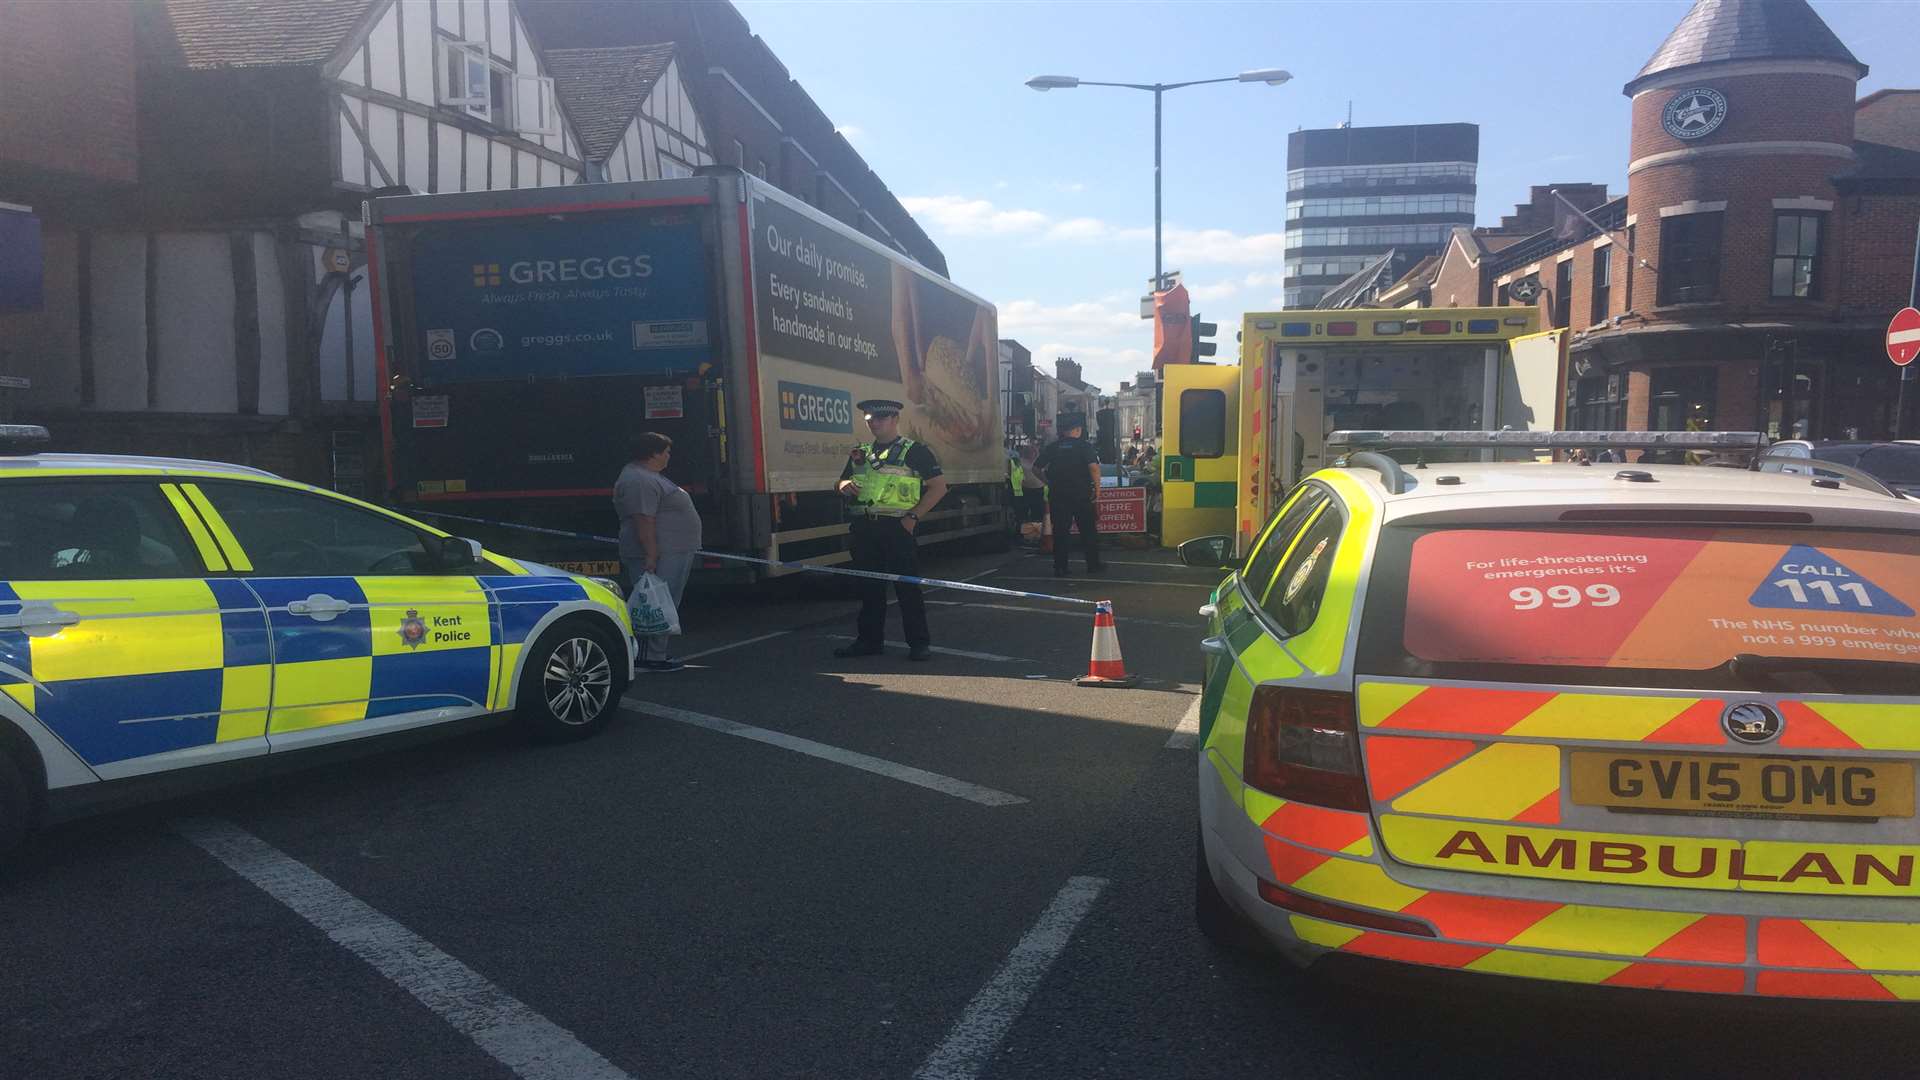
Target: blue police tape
x,y
963,586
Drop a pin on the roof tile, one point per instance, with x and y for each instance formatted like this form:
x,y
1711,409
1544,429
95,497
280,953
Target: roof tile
x,y
1717,30
602,89
204,34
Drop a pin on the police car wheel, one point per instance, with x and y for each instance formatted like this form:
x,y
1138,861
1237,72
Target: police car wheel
x,y
571,686
1218,921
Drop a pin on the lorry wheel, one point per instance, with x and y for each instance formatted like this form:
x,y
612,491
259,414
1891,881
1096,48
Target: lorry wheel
x,y
1219,922
16,804
571,684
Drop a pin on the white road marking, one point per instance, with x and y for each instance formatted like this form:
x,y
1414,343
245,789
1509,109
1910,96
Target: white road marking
x,y
1186,734
510,1032
946,785
735,645
902,646
969,1047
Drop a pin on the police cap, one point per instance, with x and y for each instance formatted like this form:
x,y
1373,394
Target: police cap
x,y
874,407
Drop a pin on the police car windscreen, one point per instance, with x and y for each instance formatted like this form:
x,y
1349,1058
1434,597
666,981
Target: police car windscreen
x,y
591,294
1592,601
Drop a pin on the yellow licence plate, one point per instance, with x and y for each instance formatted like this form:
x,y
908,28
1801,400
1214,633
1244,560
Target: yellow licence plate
x,y
1744,786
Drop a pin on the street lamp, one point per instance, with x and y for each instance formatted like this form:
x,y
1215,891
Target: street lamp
x,y
1270,76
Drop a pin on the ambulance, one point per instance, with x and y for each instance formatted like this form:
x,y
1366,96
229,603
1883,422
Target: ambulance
x,y
1622,724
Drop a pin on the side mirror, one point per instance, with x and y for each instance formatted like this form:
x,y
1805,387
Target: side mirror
x,y
1209,553
456,552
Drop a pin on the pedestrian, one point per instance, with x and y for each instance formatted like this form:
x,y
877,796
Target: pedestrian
x,y
1072,468
1033,504
659,532
892,482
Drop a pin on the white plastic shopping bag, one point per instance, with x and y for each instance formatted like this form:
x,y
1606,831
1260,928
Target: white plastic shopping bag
x,y
651,605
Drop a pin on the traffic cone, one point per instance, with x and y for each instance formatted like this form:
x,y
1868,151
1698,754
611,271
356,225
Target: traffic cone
x,y
1104,667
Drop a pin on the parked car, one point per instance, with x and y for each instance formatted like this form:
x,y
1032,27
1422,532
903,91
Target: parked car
x,y
1895,464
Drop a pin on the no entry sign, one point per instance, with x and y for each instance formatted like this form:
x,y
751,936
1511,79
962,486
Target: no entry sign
x,y
1903,337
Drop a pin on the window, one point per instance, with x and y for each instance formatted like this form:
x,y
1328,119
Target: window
x,y
1796,255
1425,172
293,534
1690,258
1563,294
487,89
90,531
1203,423
672,168
1369,205
1264,562
1502,295
1597,404
1292,599
1682,398
1602,284
1630,260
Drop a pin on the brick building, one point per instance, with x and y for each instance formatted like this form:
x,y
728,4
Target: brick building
x,y
1772,223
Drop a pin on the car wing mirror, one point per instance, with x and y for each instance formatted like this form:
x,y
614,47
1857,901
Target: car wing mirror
x,y
1209,553
457,552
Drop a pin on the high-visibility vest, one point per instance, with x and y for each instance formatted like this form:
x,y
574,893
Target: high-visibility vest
x,y
1016,475
885,480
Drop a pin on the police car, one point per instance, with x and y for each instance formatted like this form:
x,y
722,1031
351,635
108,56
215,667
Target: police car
x,y
1634,725
160,614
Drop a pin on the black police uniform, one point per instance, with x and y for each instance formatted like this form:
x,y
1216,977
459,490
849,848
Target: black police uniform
x,y
880,543
1072,496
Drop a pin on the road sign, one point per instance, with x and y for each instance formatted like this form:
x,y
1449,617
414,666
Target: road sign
x,y
1903,337
1122,510
15,382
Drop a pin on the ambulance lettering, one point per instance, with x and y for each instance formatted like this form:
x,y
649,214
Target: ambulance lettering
x,y
1627,858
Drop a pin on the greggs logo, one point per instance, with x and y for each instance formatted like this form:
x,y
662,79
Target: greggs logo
x,y
556,271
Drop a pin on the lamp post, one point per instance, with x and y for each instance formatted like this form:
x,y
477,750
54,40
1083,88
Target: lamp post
x,y
1270,76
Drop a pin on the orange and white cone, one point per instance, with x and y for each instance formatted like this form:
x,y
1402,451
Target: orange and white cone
x,y
1104,667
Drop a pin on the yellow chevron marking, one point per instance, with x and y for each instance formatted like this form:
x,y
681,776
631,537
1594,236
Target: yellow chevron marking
x,y
1616,931
1541,966
1874,727
1886,946
1613,717
1904,987
1496,783
1362,847
1379,700
1362,884
1315,932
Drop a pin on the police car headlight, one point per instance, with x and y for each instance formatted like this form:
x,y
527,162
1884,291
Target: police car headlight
x,y
608,584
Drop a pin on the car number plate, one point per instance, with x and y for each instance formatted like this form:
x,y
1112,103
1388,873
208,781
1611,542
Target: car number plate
x,y
1743,786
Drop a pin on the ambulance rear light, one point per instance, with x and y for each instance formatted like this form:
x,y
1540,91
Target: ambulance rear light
x,y
1342,329
1436,326
1386,327
1351,916
1304,746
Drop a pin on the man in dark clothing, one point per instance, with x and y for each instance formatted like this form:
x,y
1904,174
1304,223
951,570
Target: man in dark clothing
x,y
1072,468
892,482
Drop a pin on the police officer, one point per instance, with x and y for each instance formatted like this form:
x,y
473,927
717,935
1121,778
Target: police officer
x,y
892,482
1072,468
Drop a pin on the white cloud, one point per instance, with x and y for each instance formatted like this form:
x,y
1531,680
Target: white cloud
x,y
1201,247
1088,318
1071,189
1080,228
962,216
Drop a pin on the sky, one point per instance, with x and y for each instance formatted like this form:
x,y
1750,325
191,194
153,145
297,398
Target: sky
x,y
1043,202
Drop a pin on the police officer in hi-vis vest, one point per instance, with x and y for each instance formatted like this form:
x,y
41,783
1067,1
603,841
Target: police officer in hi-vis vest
x,y
892,482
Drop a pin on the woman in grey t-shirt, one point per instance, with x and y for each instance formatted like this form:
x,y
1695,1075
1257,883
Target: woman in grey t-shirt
x,y
659,532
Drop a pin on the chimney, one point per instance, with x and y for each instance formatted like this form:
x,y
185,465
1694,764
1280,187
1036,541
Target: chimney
x,y
1067,370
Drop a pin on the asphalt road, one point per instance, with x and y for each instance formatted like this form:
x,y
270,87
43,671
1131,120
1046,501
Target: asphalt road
x,y
781,864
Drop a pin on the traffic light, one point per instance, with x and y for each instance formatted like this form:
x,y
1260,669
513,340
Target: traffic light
x,y
1136,432
1201,332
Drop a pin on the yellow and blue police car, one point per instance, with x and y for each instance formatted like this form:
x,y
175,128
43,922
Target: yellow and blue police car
x,y
1641,725
158,615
